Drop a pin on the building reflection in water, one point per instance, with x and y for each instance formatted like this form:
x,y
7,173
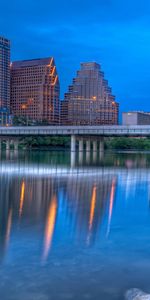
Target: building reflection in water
x,y
79,206
75,203
6,213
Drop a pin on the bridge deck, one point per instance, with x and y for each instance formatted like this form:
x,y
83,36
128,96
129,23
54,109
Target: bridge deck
x,y
104,131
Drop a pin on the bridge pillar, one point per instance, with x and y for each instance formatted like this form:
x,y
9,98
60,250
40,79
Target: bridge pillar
x,y
73,151
73,143
81,145
88,156
81,157
73,159
101,156
88,146
16,145
94,151
7,144
101,145
94,146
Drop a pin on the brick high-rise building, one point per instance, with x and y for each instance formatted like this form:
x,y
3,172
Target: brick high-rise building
x,y
4,80
89,100
35,90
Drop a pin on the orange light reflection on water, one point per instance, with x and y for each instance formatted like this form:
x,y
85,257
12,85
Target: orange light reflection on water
x,y
22,198
92,212
111,203
92,209
50,225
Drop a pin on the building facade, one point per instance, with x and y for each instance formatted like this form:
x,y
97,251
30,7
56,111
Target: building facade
x,y
35,90
89,100
136,118
4,80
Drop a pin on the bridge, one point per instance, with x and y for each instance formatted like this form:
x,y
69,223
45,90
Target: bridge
x,y
79,134
114,130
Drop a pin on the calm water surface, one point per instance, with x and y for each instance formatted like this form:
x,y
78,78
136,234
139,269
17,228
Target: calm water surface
x,y
78,231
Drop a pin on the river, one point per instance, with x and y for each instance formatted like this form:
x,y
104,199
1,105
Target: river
x,y
74,232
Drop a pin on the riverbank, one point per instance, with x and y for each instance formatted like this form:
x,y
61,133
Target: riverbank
x,y
125,143
63,142
120,143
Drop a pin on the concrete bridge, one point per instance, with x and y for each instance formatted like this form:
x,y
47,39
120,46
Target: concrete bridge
x,y
79,134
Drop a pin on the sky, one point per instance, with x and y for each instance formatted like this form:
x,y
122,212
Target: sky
x,y
114,33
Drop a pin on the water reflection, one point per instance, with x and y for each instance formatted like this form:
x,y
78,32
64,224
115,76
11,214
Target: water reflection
x,y
79,201
111,203
22,198
56,220
50,226
92,211
8,227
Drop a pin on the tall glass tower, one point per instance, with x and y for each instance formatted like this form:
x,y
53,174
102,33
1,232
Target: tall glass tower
x,y
4,80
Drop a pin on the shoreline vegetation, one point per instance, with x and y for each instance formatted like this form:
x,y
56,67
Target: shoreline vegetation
x,y
116,143
127,143
123,143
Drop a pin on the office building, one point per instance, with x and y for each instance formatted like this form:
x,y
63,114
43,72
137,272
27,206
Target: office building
x,y
136,118
89,100
35,90
4,80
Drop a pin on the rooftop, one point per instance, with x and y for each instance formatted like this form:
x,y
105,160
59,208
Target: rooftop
x,y
31,62
90,66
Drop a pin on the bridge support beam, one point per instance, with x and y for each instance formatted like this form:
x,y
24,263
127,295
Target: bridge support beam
x,y
94,146
81,157
88,146
101,145
8,144
81,145
73,150
88,149
73,159
88,156
16,143
73,143
94,151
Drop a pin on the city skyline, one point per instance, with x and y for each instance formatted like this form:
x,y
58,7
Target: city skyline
x,y
118,37
32,91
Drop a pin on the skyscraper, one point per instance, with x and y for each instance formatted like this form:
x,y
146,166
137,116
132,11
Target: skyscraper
x,y
4,80
35,90
89,100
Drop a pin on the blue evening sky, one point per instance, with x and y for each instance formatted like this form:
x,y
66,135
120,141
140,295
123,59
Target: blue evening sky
x,y
115,33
